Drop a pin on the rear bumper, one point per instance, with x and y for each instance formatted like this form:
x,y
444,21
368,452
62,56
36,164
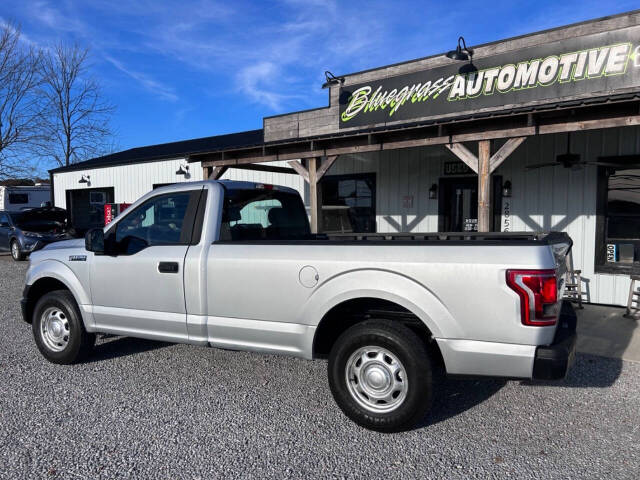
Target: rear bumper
x,y
545,362
552,362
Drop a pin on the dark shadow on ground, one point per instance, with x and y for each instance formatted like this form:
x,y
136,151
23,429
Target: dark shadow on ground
x,y
453,396
588,371
123,346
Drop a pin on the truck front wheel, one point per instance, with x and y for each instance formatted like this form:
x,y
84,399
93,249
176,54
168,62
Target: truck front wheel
x,y
380,375
58,329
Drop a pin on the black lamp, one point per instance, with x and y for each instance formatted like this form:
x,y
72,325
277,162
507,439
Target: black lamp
x,y
332,80
433,192
506,189
84,179
461,52
182,170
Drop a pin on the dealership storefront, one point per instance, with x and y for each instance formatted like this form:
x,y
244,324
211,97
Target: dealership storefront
x,y
535,133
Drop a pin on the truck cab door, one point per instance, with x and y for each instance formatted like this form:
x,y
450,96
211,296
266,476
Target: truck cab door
x,y
137,287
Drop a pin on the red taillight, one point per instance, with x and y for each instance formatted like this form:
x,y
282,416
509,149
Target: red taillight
x,y
538,292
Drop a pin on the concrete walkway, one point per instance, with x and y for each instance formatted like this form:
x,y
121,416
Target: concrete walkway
x,y
606,332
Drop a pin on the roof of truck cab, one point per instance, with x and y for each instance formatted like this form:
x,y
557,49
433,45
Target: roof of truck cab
x,y
227,184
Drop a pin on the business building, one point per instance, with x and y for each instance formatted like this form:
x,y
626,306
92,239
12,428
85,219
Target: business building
x,y
534,133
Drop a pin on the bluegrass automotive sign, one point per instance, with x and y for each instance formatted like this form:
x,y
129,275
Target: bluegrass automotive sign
x,y
598,64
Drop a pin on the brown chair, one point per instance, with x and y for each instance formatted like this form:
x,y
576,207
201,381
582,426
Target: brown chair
x,y
573,283
633,304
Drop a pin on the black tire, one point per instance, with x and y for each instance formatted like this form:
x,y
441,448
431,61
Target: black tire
x,y
75,342
16,253
408,349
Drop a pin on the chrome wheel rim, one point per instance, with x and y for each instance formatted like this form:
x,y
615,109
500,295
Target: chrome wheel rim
x,y
54,327
376,379
14,250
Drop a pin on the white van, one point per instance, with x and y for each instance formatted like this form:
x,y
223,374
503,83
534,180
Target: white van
x,y
24,197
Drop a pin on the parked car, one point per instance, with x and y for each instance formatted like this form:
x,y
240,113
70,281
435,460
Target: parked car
x,y
23,232
234,265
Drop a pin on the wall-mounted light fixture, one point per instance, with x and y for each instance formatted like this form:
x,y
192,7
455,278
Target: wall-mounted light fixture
x,y
85,179
506,189
183,170
463,53
332,80
433,192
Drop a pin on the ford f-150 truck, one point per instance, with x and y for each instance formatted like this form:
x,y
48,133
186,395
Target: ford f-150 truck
x,y
234,265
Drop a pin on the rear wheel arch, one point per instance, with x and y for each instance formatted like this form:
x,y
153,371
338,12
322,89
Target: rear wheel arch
x,y
348,313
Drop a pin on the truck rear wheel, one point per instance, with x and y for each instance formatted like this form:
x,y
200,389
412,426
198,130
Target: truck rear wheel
x,y
380,375
58,329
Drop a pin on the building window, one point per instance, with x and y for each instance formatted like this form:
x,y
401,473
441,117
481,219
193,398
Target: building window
x,y
618,228
18,198
349,203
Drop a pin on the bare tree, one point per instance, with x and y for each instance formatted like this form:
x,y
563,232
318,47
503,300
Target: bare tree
x,y
20,109
77,121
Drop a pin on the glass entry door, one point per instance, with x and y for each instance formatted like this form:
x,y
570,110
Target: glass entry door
x,y
458,203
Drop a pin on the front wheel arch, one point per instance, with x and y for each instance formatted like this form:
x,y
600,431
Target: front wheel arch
x,y
41,287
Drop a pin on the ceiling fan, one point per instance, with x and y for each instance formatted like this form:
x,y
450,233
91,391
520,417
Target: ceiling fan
x,y
572,161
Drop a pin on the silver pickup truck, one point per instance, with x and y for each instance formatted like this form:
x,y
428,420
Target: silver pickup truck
x,y
234,265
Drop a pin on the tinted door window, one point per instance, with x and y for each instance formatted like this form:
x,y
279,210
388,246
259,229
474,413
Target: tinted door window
x,y
159,221
263,215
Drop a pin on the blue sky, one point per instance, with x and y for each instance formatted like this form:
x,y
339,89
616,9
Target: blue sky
x,y
193,68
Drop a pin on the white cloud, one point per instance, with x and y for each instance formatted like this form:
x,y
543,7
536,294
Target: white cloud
x,y
260,82
155,87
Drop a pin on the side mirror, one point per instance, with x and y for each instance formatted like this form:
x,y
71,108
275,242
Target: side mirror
x,y
94,241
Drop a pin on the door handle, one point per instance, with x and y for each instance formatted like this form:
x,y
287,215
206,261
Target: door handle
x,y
168,267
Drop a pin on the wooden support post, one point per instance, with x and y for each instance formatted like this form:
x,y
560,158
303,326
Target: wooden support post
x,y
326,165
297,166
216,173
484,186
460,151
506,150
315,201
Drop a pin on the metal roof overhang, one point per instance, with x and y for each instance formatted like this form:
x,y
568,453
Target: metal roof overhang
x,y
585,114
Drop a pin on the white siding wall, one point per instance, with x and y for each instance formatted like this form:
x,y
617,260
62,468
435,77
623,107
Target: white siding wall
x,y
130,182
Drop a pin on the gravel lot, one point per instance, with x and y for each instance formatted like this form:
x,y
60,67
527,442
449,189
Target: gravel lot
x,y
142,409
